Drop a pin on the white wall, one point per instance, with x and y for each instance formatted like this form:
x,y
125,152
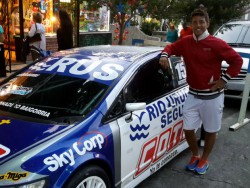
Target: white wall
x,y
133,33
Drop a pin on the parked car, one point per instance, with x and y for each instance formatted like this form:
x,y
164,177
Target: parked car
x,y
237,35
100,116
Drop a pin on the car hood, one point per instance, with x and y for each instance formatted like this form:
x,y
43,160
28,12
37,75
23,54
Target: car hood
x,y
245,60
16,136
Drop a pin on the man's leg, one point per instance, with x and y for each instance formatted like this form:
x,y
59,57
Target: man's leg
x,y
203,165
211,114
192,142
193,146
192,121
209,143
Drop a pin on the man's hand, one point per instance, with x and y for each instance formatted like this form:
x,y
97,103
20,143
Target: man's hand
x,y
217,85
164,62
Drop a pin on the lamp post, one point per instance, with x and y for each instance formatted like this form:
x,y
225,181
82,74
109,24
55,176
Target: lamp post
x,y
21,19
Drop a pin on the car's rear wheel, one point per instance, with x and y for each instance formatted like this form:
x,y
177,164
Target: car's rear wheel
x,y
90,176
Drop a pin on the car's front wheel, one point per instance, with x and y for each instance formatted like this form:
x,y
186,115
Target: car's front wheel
x,y
90,176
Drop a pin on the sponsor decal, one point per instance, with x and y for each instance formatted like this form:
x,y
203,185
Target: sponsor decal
x,y
154,149
80,148
4,151
25,108
52,129
138,129
32,110
13,176
29,75
14,89
163,161
168,109
6,104
84,68
5,121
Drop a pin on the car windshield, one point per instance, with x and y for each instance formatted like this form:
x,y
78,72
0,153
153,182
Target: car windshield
x,y
50,96
234,34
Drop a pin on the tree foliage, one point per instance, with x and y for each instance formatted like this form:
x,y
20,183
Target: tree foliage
x,y
149,27
220,11
120,9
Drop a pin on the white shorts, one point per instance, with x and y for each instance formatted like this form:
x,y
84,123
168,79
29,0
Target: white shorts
x,y
207,112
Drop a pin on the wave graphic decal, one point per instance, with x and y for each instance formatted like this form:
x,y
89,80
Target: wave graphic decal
x,y
139,127
138,136
141,116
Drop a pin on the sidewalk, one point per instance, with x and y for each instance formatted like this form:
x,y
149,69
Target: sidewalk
x,y
15,66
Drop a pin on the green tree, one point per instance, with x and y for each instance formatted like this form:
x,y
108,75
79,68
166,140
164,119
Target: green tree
x,y
220,11
121,8
149,27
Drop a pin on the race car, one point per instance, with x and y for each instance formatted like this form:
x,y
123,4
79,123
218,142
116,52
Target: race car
x,y
97,116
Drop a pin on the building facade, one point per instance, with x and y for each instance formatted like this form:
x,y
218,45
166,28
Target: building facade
x,y
91,27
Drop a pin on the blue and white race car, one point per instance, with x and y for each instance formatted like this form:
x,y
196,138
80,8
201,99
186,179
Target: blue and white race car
x,y
99,116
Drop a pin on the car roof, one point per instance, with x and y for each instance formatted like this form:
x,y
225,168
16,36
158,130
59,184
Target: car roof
x,y
98,63
243,22
126,53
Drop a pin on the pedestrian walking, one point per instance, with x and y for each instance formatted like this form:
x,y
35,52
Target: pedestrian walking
x,y
186,30
172,33
65,31
38,27
203,55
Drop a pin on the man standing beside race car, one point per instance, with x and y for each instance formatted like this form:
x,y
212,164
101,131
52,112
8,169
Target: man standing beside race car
x,y
203,55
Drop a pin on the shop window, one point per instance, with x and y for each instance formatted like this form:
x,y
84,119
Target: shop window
x,y
43,6
89,18
93,20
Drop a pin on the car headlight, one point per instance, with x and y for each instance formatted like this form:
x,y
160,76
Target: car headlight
x,y
37,184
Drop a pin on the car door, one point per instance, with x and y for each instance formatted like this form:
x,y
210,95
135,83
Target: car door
x,y
149,136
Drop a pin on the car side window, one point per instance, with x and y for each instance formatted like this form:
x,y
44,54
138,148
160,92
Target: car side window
x,y
150,82
117,108
147,84
247,37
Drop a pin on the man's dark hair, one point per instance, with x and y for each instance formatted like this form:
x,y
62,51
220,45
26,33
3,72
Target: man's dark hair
x,y
201,11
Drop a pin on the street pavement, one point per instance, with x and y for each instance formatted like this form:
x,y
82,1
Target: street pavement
x,y
229,160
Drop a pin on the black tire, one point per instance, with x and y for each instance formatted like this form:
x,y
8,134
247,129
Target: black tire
x,y
93,176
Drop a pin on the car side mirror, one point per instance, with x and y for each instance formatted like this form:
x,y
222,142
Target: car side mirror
x,y
135,106
130,107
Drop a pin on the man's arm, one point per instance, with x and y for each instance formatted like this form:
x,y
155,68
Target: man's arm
x,y
235,63
170,49
218,85
164,58
234,60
